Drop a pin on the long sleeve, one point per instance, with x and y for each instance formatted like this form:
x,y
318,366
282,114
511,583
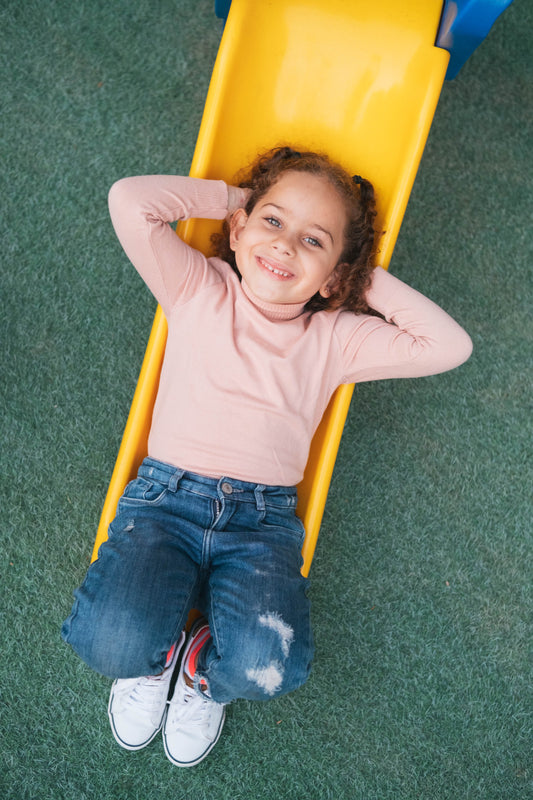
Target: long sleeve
x,y
141,209
416,338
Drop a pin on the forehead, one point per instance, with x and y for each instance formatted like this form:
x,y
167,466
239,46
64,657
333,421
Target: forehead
x,y
308,197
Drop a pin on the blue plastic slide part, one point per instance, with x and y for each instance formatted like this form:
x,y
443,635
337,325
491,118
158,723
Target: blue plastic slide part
x,y
464,25
222,8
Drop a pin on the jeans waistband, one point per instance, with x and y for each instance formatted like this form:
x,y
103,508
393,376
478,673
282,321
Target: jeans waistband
x,y
224,487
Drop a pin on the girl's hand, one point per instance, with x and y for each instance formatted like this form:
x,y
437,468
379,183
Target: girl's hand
x,y
237,198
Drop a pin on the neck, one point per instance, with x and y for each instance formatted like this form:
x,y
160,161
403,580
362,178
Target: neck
x,y
276,312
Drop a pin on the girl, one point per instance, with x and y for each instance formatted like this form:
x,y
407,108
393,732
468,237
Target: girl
x,y
259,337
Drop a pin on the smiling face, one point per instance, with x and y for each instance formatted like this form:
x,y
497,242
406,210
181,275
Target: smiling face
x,y
288,247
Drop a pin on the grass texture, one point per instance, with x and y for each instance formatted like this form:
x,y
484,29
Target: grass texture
x,y
421,584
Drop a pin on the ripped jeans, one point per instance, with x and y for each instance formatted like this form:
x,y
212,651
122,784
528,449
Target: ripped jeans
x,y
182,541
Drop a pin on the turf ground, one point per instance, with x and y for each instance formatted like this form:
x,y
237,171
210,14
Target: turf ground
x,y
421,584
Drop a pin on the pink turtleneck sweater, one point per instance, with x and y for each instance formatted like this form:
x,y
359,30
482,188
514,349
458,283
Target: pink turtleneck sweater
x,y
244,383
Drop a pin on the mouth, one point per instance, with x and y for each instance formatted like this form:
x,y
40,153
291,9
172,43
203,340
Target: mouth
x,y
275,271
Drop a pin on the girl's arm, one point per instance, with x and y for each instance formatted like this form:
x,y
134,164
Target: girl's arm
x,y
416,338
141,209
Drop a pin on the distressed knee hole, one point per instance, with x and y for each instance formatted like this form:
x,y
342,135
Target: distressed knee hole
x,y
269,679
275,623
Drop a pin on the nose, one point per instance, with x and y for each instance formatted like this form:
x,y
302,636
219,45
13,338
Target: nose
x,y
283,243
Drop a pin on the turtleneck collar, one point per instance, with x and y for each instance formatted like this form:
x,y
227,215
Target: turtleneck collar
x,y
273,311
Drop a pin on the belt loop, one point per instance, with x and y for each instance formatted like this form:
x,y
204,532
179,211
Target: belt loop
x,y
175,480
259,499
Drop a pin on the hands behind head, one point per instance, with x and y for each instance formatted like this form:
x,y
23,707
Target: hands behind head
x,y
237,198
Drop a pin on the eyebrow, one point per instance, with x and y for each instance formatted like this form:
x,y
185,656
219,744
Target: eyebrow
x,y
313,224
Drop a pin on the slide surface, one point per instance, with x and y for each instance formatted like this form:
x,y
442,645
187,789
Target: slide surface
x,y
359,80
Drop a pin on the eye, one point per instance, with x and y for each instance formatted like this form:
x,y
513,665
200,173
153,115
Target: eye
x,y
273,221
312,241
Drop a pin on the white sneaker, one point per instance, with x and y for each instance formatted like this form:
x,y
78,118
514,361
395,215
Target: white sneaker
x,y
137,706
194,722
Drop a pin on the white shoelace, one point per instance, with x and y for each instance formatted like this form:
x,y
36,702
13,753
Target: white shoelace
x,y
147,695
190,708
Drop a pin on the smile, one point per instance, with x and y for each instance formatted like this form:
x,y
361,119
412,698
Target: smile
x,y
274,270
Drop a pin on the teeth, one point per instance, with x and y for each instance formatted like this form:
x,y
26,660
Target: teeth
x,y
276,271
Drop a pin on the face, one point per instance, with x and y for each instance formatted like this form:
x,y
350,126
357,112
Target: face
x,y
289,246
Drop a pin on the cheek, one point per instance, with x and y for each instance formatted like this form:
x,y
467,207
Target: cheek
x,y
327,268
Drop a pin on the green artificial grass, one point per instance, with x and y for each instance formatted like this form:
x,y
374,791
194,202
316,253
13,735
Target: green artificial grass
x,y
421,686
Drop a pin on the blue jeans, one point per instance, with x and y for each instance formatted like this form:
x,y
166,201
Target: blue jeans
x,y
180,541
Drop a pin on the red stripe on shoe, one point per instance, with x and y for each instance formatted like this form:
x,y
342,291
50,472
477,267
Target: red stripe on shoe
x,y
170,654
199,640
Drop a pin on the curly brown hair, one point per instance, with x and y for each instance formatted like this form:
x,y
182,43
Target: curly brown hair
x,y
356,263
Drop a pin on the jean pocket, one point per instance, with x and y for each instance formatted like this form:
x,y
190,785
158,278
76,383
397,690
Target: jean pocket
x,y
144,491
284,520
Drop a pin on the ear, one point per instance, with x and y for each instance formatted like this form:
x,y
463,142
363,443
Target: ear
x,y
330,286
237,223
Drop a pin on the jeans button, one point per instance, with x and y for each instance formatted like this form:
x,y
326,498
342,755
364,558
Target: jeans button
x,y
227,488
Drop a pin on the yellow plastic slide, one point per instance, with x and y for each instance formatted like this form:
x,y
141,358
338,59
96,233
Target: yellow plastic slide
x,y
359,79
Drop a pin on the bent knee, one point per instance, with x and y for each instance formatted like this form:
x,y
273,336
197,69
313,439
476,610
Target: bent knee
x,y
111,649
274,679
253,677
